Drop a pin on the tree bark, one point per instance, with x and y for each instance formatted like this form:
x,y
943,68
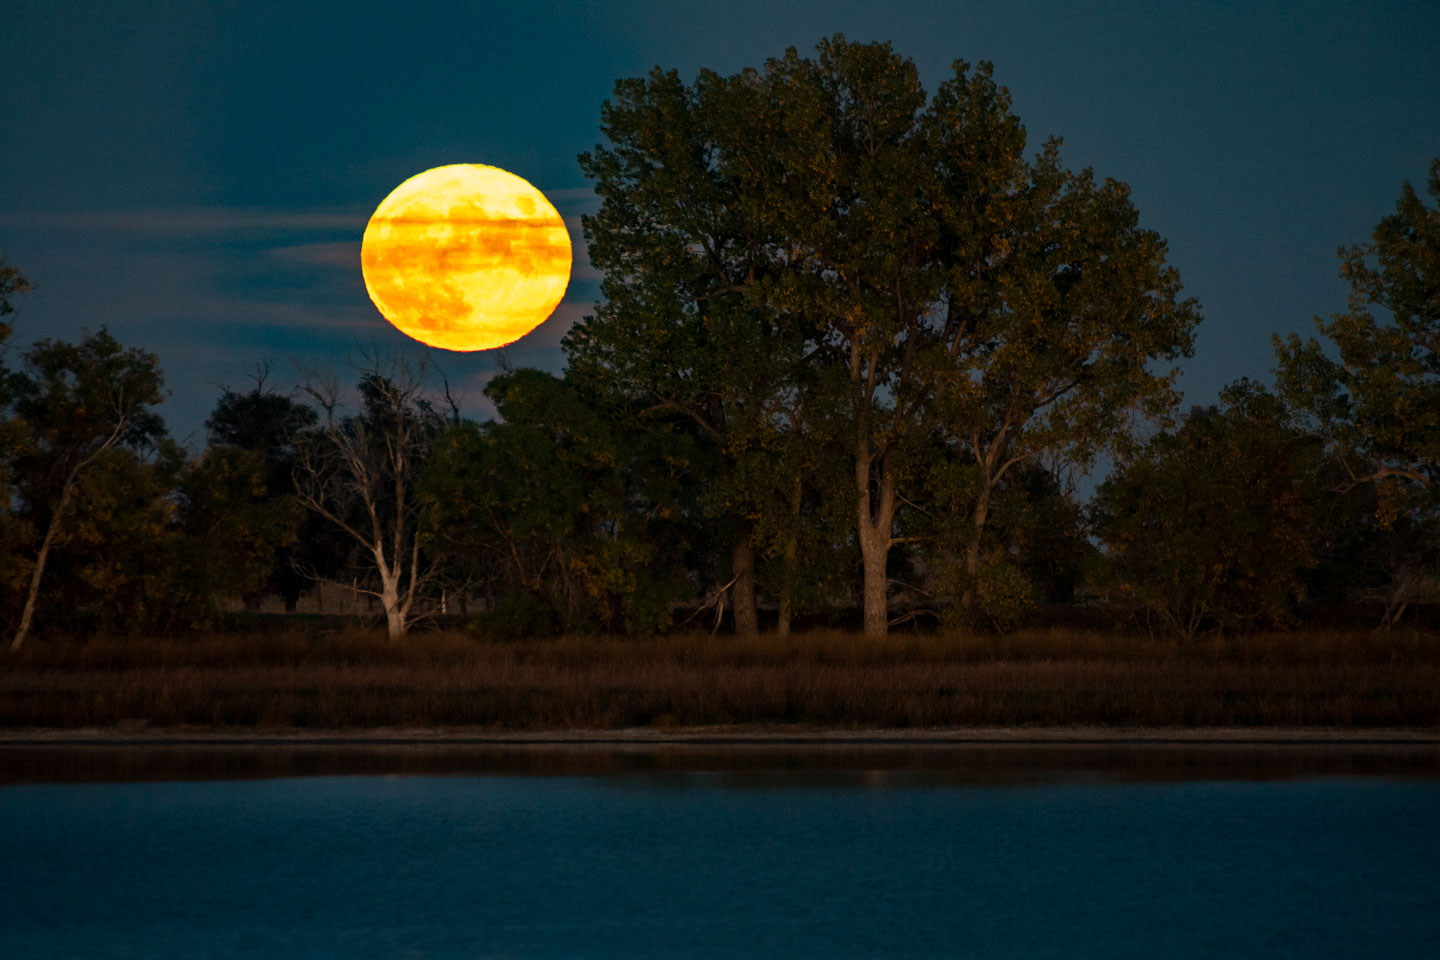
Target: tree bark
x,y
969,596
742,592
788,556
875,509
71,480
390,597
28,615
875,587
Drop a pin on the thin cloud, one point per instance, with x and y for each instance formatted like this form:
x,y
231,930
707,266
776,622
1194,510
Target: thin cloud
x,y
190,220
345,254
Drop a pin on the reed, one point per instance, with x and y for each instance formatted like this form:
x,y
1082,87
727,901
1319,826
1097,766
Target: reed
x,y
353,679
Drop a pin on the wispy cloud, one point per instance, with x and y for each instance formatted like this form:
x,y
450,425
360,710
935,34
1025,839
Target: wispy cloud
x,y
344,255
186,220
211,290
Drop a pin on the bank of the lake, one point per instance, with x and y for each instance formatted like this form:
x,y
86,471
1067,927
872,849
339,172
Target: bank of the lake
x,y
308,682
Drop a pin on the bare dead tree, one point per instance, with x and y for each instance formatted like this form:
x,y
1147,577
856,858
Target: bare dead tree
x,y
361,473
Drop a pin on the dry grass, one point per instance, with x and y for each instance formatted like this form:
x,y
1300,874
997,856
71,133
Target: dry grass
x,y
358,679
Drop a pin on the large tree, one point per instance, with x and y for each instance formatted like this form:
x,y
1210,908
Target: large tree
x,y
679,340
268,425
361,473
14,531
74,403
1210,525
891,254
1373,392
562,511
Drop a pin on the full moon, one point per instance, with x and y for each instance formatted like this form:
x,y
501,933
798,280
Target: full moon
x,y
465,257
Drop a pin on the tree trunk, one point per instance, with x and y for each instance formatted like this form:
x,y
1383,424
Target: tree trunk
x,y
969,596
874,551
29,613
874,512
33,594
788,555
390,598
742,591
395,622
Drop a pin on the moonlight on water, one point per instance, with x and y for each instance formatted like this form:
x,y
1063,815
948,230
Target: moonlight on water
x,y
466,257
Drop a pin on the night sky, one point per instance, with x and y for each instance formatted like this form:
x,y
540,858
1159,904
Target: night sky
x,y
196,177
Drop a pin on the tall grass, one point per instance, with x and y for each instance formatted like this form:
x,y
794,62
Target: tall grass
x,y
359,679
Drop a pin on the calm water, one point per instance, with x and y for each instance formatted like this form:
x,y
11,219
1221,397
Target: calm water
x,y
999,854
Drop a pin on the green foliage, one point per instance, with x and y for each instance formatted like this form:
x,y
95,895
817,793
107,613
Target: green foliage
x,y
553,507
1377,406
12,284
516,615
74,409
821,244
1210,526
271,426
120,567
1032,550
16,532
683,346
234,526
75,398
1003,594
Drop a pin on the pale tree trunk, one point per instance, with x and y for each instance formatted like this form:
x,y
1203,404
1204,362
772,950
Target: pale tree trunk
x,y
874,503
395,623
31,595
27,616
876,586
390,597
742,592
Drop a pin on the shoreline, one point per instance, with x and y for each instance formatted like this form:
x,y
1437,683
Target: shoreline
x,y
128,736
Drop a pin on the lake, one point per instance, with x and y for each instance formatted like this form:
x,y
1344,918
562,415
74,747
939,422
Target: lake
x,y
328,851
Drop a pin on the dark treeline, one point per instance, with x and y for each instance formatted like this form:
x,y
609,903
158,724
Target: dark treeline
x,y
851,344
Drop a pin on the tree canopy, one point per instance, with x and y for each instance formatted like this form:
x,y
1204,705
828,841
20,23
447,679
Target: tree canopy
x,y
823,235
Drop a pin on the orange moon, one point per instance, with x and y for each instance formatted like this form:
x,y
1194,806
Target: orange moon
x,y
465,257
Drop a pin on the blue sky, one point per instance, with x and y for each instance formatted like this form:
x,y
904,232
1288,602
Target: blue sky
x,y
196,177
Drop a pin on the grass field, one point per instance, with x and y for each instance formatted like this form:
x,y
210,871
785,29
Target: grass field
x,y
351,678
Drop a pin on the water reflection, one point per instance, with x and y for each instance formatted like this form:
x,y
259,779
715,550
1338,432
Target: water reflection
x,y
737,765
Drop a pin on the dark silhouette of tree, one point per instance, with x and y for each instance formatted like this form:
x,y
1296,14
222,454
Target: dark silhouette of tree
x,y
562,514
824,229
1377,406
361,473
271,426
1210,526
75,403
680,340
